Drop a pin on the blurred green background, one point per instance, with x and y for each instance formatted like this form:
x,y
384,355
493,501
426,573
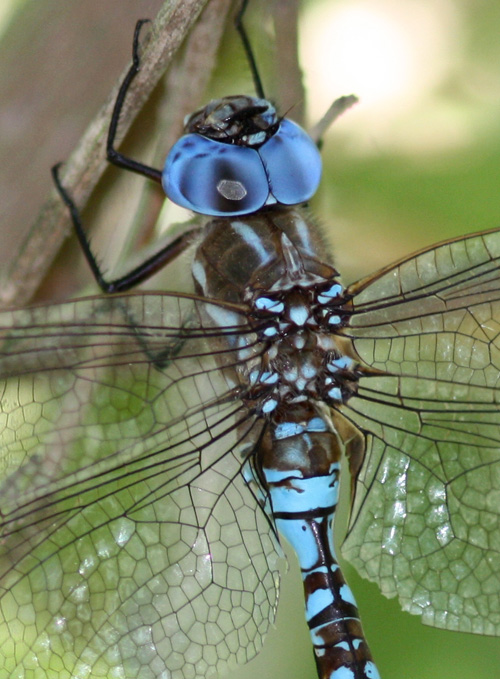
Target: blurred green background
x,y
415,162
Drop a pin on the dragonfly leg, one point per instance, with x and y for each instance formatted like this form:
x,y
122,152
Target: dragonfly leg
x,y
113,155
238,23
143,271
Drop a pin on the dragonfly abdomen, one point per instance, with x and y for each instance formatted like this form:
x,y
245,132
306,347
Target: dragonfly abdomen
x,y
301,469
274,263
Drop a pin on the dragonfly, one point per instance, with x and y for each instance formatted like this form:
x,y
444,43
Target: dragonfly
x,y
156,445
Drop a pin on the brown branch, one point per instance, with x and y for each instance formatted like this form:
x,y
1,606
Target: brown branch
x,y
87,163
338,108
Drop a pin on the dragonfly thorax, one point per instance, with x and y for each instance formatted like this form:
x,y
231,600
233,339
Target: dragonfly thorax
x,y
300,365
296,306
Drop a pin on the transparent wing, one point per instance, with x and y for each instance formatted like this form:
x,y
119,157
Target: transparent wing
x,y
425,523
130,542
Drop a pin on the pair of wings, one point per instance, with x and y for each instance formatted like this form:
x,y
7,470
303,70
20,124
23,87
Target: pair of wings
x,y
130,540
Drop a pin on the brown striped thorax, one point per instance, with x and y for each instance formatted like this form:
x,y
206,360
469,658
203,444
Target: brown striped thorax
x,y
272,261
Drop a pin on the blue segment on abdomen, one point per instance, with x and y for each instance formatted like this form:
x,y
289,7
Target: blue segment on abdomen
x,y
301,473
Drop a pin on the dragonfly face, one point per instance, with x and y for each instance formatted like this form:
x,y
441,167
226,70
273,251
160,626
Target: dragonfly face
x,y
154,444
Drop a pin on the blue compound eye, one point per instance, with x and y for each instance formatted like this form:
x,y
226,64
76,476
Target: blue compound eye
x,y
219,179
293,164
214,178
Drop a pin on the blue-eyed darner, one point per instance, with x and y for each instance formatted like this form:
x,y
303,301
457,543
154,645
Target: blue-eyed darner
x,y
129,322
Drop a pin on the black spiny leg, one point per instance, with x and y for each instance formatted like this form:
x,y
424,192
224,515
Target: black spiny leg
x,y
112,154
137,275
160,359
166,254
238,23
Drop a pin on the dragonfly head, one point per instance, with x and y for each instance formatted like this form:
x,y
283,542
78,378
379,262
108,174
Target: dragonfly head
x,y
238,156
239,120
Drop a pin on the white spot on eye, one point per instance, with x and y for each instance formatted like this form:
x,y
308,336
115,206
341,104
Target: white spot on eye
x,y
231,189
44,643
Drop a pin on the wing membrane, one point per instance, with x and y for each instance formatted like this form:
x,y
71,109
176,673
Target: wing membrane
x,y
426,519
130,541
